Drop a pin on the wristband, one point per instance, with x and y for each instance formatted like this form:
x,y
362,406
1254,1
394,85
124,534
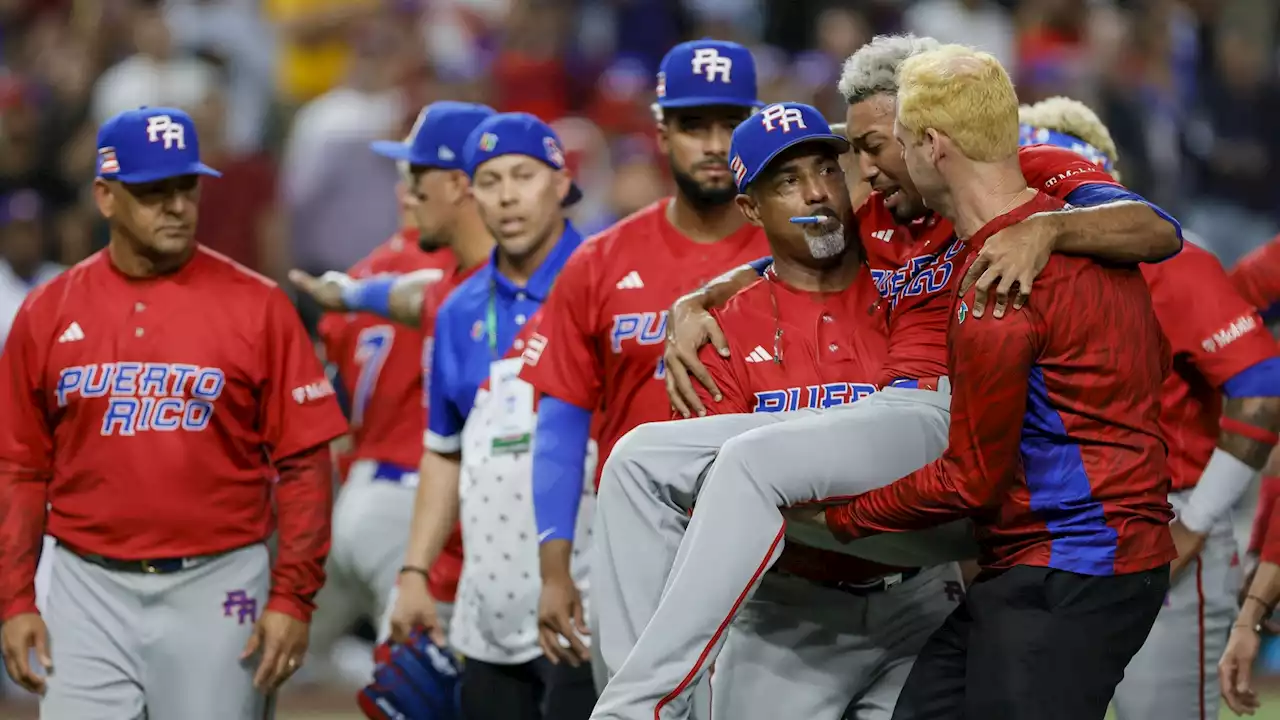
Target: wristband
x,y
415,570
1269,607
1244,429
370,295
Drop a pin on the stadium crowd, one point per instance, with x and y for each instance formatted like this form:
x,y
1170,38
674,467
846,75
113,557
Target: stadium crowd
x,y
287,96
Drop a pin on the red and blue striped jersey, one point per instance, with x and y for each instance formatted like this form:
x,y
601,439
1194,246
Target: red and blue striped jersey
x,y
1055,444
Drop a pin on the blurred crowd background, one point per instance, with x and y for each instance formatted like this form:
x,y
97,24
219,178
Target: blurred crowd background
x,y
288,94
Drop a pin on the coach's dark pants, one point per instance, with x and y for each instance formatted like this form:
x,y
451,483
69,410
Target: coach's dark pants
x,y
1032,643
536,690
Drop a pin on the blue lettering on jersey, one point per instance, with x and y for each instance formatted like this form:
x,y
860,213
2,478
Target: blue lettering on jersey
x,y
922,275
661,372
145,397
811,396
646,328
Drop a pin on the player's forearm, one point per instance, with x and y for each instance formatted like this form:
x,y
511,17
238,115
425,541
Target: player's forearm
x,y
717,292
923,499
559,456
304,507
1118,232
396,297
1261,595
435,508
1247,436
22,522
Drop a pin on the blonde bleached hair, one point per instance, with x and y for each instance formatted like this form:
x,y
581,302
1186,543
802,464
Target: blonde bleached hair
x,y
1074,118
966,95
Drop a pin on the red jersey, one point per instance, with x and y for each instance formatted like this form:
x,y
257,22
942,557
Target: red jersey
x,y
605,322
828,342
1257,276
915,265
1214,334
443,575
380,362
154,408
1055,445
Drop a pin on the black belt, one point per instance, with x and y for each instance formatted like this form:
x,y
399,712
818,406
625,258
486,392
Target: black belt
x,y
163,566
863,589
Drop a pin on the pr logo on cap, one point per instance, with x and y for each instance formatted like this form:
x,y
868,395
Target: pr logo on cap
x,y
554,154
709,63
162,128
488,142
781,117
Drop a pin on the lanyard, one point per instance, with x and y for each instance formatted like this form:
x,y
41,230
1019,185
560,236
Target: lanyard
x,y
491,319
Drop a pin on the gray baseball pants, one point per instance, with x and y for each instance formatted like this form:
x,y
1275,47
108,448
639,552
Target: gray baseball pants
x,y
129,645
668,585
1175,674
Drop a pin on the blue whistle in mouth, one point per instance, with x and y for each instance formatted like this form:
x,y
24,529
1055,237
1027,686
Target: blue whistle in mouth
x,y
808,219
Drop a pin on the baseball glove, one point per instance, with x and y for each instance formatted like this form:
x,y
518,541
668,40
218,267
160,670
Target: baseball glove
x,y
415,681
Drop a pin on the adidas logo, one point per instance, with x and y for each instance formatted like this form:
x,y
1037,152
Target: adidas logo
x,y
632,281
73,333
882,235
759,355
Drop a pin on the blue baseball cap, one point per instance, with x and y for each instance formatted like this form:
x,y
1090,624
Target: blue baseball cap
x,y
150,144
517,134
707,72
438,135
758,139
1030,135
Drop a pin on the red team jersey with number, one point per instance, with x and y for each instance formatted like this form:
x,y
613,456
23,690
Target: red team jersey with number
x,y
1055,445
1214,334
154,408
829,341
605,322
380,362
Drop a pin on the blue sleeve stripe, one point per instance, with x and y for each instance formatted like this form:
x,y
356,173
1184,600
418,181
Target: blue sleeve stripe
x,y
1260,380
559,453
761,265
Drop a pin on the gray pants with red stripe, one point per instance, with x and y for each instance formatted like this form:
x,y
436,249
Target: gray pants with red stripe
x,y
131,645
1175,674
668,585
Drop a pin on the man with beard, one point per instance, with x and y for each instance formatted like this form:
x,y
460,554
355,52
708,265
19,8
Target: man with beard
x,y
703,574
381,363
598,348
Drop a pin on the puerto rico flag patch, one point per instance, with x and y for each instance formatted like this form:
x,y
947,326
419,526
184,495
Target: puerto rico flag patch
x,y
107,163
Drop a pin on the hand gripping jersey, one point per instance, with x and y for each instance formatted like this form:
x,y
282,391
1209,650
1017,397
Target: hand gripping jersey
x,y
828,342
605,322
153,408
1081,485
1214,334
915,265
380,362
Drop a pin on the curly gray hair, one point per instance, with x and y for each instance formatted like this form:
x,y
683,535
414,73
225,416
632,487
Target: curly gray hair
x,y
873,69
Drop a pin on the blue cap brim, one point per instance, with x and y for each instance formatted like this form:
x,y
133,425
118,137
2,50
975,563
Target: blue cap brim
x,y
392,149
839,144
146,176
688,102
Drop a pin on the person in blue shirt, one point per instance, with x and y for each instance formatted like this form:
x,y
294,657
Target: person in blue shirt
x,y
477,406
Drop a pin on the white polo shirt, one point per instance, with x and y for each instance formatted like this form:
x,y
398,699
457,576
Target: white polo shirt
x,y
496,613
